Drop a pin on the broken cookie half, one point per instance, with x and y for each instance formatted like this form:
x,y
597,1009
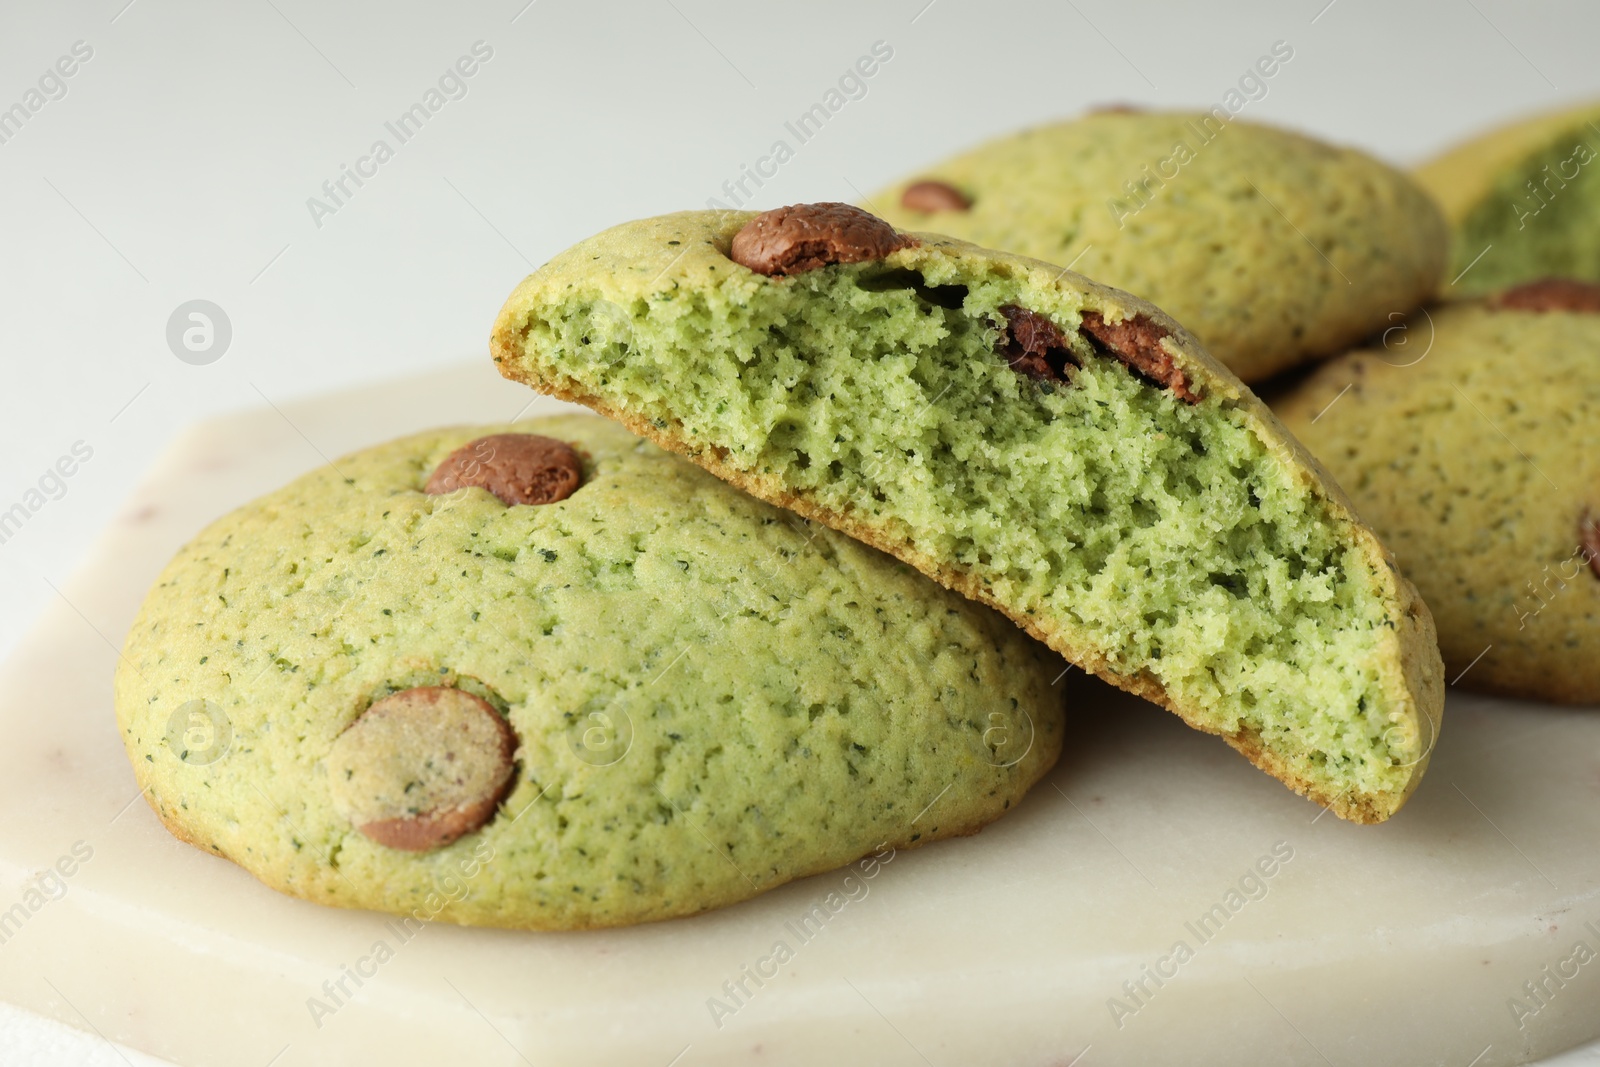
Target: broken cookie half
x,y
1056,448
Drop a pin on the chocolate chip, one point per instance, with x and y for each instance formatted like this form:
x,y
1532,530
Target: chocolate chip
x,y
1589,538
802,237
422,767
1550,294
930,196
519,468
1033,345
1137,342
1116,109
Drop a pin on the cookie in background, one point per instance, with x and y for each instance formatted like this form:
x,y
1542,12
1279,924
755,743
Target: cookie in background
x,y
1272,247
1523,201
1474,451
1058,449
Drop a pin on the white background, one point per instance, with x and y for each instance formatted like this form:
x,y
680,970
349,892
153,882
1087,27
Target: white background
x,y
179,163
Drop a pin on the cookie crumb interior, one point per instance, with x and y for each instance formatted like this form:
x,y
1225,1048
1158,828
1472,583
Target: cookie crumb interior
x,y
1165,537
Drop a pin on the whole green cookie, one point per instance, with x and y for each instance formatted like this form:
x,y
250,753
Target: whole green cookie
x,y
1058,449
550,676
1474,451
1271,247
1523,201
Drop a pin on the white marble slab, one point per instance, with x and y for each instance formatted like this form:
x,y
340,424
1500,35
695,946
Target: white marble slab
x,y
1399,944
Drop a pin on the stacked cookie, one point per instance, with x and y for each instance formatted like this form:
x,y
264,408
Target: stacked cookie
x,y
592,682
548,675
1056,448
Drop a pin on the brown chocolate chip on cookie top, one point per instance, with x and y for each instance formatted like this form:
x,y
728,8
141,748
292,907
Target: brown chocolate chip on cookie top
x,y
929,196
802,237
422,767
1550,294
519,468
1137,342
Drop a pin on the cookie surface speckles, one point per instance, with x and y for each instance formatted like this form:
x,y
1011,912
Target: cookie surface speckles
x,y
707,695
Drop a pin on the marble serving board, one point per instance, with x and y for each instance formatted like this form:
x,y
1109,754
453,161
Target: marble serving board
x,y
1154,900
